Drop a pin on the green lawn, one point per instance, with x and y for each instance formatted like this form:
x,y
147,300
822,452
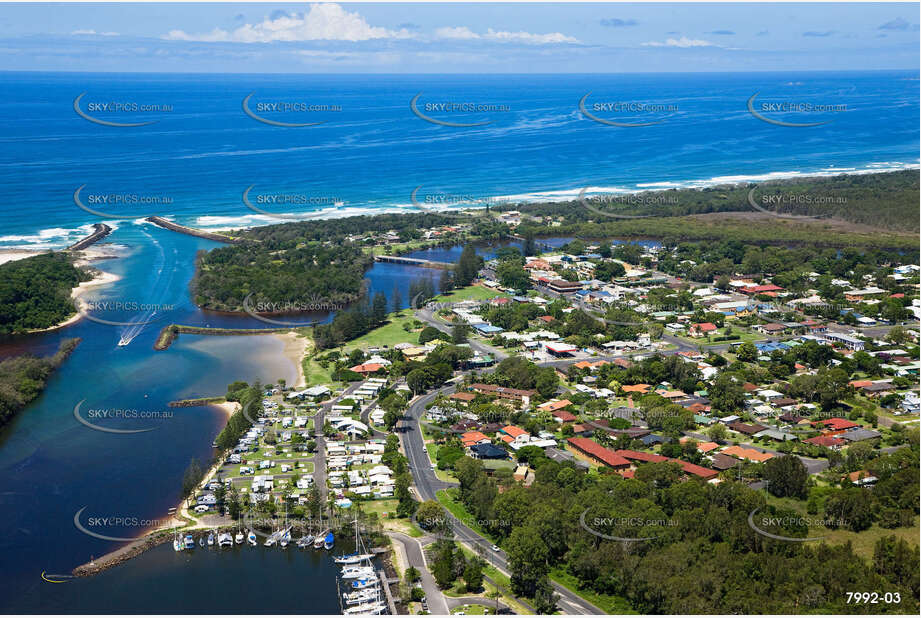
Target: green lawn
x,y
472,610
390,334
471,292
445,498
609,603
315,375
388,506
743,336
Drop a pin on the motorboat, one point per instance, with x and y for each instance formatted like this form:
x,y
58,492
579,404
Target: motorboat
x,y
189,541
318,541
210,539
177,544
271,540
225,539
238,538
328,541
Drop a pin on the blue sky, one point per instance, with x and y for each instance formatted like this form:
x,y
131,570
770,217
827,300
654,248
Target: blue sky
x,y
458,38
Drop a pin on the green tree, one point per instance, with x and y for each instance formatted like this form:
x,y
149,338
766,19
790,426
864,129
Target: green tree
x,y
473,575
747,352
787,476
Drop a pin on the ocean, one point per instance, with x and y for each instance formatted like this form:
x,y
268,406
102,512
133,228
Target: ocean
x,y
369,155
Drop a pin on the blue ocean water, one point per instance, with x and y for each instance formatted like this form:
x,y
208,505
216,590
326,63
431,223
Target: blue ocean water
x,y
205,152
373,152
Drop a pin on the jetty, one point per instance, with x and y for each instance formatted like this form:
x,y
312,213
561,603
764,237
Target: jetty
x,y
100,231
191,231
394,259
170,332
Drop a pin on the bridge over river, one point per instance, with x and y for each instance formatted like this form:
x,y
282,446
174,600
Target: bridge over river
x,y
394,259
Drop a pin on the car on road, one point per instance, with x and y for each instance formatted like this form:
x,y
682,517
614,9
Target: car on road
x,y
496,548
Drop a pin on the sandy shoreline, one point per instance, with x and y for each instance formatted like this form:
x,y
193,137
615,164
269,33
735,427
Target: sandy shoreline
x,y
228,407
101,278
295,349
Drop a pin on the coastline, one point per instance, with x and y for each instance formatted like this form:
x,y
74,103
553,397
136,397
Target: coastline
x,y
154,537
102,278
295,348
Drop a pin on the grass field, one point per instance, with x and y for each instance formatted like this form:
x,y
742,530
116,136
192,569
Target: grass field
x,y
384,508
471,292
863,542
609,603
388,335
472,610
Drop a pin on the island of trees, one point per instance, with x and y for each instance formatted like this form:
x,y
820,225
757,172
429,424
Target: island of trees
x,y
35,292
23,378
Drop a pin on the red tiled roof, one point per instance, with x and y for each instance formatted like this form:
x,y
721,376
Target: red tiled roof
x,y
595,450
641,456
827,441
513,431
564,416
837,423
367,368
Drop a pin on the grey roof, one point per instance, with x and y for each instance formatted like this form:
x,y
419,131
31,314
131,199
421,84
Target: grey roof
x,y
776,434
856,435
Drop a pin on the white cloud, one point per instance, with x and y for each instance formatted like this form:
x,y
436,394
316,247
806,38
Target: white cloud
x,y
324,22
461,32
682,42
92,33
503,36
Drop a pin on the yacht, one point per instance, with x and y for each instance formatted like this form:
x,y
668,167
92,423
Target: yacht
x,y
239,537
352,558
305,541
357,572
361,596
328,541
318,541
284,538
251,538
366,582
177,544
365,609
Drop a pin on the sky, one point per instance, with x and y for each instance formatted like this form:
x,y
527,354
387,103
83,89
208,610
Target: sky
x,y
350,37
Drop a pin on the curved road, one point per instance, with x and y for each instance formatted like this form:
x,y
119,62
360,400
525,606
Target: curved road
x,y
427,484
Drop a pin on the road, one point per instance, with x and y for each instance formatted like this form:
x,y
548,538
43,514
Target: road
x,y
414,556
427,484
319,420
429,318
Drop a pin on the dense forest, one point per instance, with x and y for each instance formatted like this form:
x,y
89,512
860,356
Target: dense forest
x,y
695,549
23,378
281,274
35,292
887,200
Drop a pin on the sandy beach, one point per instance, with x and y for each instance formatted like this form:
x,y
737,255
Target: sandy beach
x,y
228,407
101,278
296,348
